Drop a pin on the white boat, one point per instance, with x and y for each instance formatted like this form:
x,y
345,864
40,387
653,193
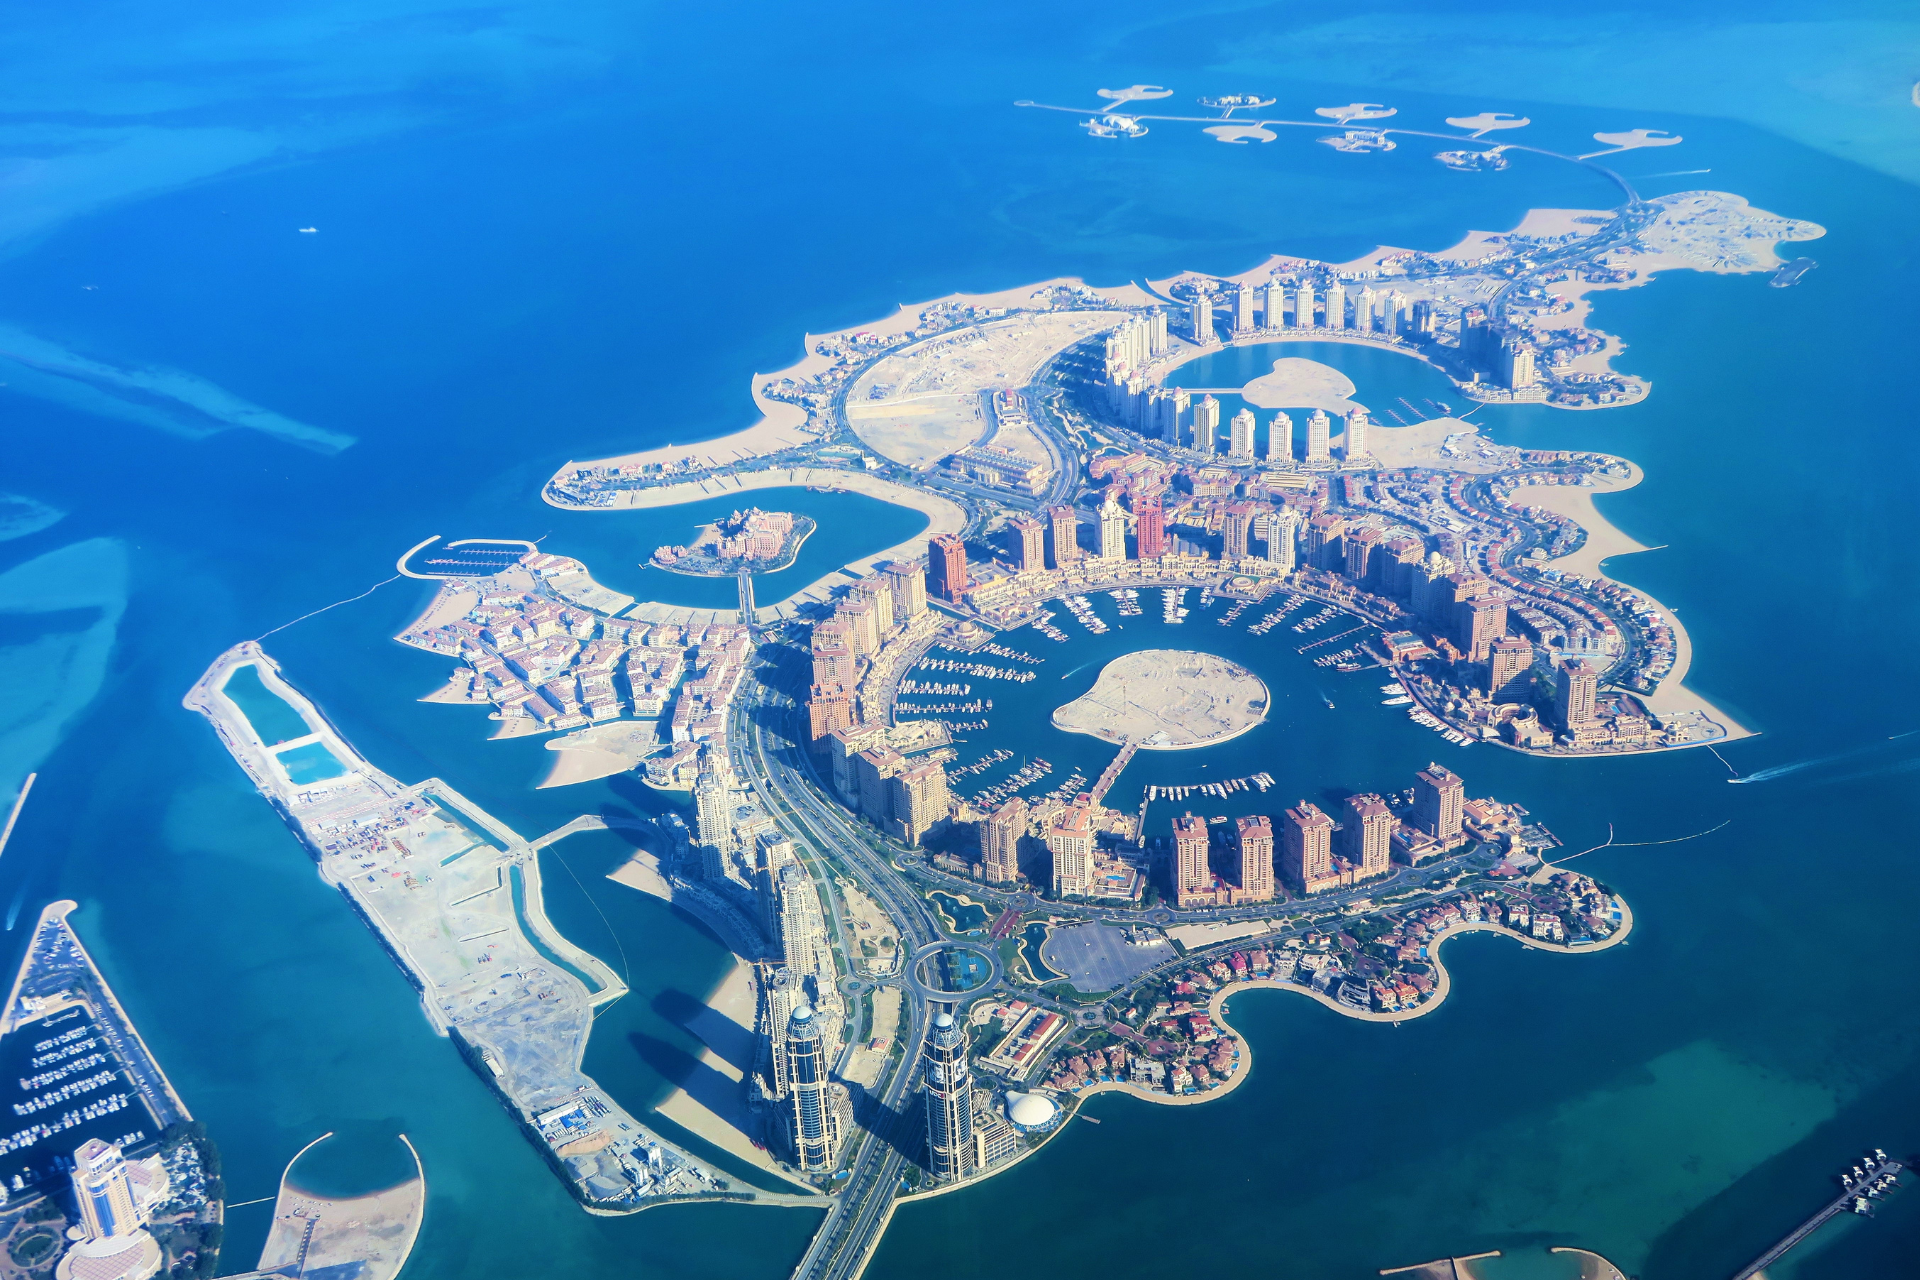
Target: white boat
x,y
1401,701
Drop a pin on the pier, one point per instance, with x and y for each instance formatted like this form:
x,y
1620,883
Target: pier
x,y
1864,1183
1330,639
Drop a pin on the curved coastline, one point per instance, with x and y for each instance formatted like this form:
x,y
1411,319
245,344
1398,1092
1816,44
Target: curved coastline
x,y
943,516
1443,986
1605,541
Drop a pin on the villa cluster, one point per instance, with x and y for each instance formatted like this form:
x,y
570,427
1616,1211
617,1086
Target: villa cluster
x,y
547,665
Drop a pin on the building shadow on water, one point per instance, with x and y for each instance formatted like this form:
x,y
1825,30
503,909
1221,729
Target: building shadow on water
x,y
706,1085
734,1043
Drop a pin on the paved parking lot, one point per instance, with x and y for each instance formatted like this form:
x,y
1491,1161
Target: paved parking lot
x,y
1098,957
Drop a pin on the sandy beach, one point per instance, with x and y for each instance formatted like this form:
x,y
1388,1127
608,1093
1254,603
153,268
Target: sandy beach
x,y
599,751
718,1110
1605,541
719,1113
1575,502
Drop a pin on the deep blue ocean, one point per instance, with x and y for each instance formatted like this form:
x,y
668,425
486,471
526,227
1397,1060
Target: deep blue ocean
x,y
542,233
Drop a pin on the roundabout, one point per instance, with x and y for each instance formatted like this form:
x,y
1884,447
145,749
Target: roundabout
x,y
952,972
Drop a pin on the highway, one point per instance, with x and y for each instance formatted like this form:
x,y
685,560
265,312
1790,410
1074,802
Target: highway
x,y
840,1249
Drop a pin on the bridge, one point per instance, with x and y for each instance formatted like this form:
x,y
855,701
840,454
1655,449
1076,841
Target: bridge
x,y
1863,1184
1111,774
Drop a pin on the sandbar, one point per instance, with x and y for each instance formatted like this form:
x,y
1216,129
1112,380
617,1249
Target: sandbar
x,y
1296,383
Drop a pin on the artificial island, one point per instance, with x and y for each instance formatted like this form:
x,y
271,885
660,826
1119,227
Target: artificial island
x,y
750,541
942,951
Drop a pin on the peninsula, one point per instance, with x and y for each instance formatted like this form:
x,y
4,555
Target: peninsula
x,y
453,894
989,958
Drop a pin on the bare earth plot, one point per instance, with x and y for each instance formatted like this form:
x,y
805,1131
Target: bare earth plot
x,y
924,402
1168,700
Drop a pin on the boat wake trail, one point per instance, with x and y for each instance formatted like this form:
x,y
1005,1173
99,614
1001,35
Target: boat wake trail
x,y
1611,843
1772,772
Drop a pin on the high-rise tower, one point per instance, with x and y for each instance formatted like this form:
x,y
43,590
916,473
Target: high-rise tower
x,y
1206,424
1253,862
1064,530
1367,835
1357,436
1000,835
1200,320
103,1191
1027,542
1280,439
1510,670
1191,875
1319,429
1307,848
1113,528
947,567
909,583
1240,436
1275,314
711,826
1283,532
1575,697
1439,803
1150,526
815,1124
949,1101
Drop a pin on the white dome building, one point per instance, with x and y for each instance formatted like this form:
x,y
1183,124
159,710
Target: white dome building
x,y
1031,1112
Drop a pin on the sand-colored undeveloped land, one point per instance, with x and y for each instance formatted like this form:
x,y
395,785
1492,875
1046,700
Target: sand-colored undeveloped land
x,y
1299,383
1423,445
782,425
872,925
1167,700
920,403
377,1230
865,1063
599,751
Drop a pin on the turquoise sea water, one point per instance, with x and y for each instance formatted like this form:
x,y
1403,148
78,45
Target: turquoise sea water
x,y
269,714
555,233
311,763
